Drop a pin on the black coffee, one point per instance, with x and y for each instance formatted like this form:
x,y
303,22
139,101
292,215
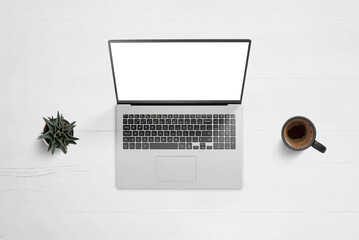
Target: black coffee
x,y
296,132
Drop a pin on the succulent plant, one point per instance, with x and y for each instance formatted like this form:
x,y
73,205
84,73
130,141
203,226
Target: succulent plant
x,y
58,133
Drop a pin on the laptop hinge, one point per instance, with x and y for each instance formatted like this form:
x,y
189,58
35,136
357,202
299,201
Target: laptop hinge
x,y
179,103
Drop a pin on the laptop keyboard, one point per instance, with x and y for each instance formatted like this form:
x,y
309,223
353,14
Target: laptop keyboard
x,y
179,131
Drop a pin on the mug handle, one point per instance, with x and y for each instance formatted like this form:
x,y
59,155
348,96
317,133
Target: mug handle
x,y
320,147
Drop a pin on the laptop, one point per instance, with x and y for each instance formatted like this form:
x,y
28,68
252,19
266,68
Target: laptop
x,y
179,112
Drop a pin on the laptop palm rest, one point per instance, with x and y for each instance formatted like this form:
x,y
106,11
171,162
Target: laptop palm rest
x,y
176,168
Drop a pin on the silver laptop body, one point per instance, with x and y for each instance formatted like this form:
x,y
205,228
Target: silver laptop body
x,y
179,112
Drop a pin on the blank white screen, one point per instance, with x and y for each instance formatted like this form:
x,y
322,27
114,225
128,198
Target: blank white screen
x,y
179,70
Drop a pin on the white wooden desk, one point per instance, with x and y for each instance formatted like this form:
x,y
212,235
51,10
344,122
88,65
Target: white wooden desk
x,y
304,61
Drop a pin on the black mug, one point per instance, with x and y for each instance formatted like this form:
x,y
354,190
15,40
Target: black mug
x,y
298,133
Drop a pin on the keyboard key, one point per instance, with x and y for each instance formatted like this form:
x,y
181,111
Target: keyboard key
x,y
135,133
189,145
169,139
226,146
233,115
233,145
124,121
163,139
157,139
126,127
132,145
144,139
138,139
150,139
226,116
207,121
125,115
125,145
206,133
233,130
209,147
182,145
209,115
176,139
138,145
163,145
202,146
205,139
218,145
195,147
128,139
145,145
127,133
182,139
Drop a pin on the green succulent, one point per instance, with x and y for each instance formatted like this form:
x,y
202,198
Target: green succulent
x,y
58,133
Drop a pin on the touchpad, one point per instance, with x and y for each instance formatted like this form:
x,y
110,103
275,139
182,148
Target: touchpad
x,y
176,168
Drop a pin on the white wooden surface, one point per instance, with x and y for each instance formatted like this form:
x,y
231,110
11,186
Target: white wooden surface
x,y
304,60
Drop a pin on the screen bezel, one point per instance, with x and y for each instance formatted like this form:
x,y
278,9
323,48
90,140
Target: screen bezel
x,y
179,102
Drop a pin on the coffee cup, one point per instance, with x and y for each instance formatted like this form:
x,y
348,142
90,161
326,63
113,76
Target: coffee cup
x,y
299,133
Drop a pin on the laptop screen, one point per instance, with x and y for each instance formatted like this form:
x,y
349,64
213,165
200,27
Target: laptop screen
x,y
177,70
